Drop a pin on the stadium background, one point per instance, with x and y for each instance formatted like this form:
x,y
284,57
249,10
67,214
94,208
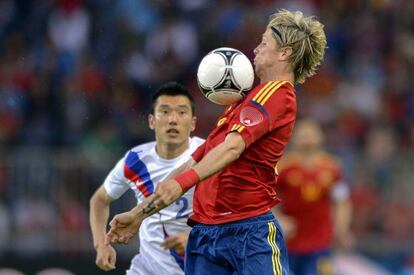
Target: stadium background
x,y
75,84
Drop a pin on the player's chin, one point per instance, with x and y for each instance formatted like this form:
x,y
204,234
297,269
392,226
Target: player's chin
x,y
172,138
173,135
175,140
256,67
258,71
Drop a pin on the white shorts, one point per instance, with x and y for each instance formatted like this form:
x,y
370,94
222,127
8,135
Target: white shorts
x,y
142,265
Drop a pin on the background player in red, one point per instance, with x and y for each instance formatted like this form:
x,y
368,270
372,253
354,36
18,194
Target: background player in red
x,y
234,230
315,207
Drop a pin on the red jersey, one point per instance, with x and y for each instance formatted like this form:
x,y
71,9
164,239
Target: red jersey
x,y
306,196
247,187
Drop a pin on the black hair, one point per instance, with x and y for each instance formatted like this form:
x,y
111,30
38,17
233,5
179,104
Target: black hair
x,y
172,89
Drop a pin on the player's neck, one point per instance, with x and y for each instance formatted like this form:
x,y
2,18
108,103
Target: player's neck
x,y
309,149
308,155
276,75
170,151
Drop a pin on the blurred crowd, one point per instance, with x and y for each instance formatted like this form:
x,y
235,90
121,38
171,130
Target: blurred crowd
x,y
76,78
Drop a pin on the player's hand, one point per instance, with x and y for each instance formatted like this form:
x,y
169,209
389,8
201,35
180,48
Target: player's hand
x,y
345,241
105,257
124,227
167,192
178,242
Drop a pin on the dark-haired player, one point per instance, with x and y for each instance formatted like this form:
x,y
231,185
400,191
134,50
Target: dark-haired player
x,y
163,236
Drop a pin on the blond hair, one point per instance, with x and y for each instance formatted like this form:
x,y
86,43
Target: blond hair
x,y
306,37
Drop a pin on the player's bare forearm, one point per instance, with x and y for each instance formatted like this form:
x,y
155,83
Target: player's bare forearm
x,y
343,234
146,208
220,156
125,225
98,216
342,216
166,193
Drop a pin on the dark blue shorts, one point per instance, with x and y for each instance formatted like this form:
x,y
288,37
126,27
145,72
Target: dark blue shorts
x,y
252,246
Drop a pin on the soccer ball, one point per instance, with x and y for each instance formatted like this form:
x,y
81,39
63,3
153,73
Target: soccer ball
x,y
225,75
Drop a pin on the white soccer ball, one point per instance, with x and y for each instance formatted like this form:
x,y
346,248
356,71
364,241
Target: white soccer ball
x,y
225,75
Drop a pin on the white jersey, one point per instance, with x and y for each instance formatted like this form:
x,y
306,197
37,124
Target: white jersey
x,y
141,169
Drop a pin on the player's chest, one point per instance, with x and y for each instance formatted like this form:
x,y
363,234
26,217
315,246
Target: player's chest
x,y
318,177
226,120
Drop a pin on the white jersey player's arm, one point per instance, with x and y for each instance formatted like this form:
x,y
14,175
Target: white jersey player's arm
x,y
98,219
113,187
99,214
125,225
186,165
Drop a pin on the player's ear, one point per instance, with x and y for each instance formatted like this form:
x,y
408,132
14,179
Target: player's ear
x,y
151,121
285,53
193,123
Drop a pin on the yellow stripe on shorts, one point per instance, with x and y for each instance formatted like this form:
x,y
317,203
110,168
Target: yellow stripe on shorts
x,y
271,239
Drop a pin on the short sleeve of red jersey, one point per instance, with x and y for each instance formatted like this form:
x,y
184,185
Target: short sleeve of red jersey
x,y
338,172
274,105
340,190
198,154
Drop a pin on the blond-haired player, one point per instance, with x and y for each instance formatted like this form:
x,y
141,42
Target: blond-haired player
x,y
234,230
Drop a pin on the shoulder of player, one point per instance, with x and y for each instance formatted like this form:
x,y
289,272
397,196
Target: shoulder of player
x,y
329,160
197,140
288,160
146,153
264,91
141,149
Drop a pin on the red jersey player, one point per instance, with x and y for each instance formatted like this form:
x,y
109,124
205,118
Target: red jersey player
x,y
245,188
315,206
234,230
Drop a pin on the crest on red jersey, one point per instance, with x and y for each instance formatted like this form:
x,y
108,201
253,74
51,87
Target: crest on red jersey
x,y
250,116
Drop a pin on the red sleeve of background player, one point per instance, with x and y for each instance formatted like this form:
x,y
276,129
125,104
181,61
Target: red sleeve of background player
x,y
272,107
337,170
198,154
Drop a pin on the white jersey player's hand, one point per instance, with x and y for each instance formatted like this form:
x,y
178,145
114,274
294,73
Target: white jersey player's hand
x,y
178,242
124,227
105,257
